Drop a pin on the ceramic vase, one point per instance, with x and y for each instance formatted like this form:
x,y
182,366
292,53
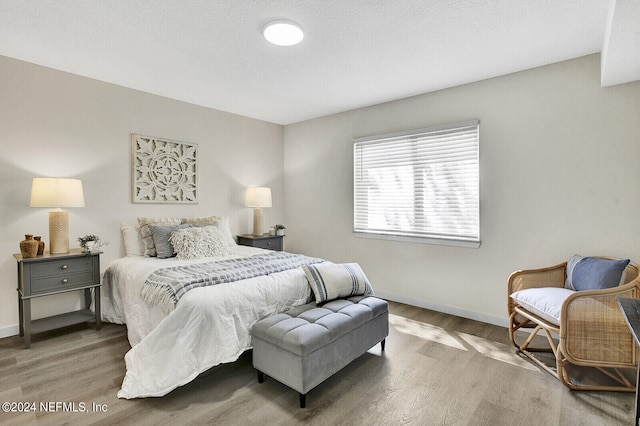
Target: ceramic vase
x,y
90,246
38,238
28,247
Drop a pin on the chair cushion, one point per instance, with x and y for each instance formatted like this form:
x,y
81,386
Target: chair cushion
x,y
545,302
592,273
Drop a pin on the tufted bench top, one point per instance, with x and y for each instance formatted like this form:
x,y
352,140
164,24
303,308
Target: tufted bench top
x,y
304,329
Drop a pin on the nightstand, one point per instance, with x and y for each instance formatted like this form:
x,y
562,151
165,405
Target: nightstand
x,y
265,241
50,274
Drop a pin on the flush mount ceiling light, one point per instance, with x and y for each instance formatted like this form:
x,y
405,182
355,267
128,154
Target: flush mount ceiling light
x,y
283,33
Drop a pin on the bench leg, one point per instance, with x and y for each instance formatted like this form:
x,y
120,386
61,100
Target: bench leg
x,y
303,400
260,376
382,343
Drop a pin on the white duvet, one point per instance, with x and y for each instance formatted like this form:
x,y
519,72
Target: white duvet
x,y
209,326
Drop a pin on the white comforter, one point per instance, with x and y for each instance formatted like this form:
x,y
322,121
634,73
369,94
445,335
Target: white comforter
x,y
209,326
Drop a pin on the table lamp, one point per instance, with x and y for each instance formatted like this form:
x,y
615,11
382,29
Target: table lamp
x,y
57,193
257,198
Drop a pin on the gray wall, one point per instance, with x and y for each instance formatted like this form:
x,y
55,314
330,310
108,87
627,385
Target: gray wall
x,y
57,124
559,175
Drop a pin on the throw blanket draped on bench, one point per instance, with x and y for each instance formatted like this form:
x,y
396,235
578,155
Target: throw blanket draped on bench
x,y
166,286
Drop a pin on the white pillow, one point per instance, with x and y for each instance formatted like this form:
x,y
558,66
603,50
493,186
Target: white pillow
x,y
225,231
545,302
133,244
147,237
331,281
197,242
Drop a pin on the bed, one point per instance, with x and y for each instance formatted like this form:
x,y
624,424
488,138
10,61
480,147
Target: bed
x,y
189,295
206,327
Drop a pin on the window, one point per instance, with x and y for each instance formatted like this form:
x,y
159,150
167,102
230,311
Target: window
x,y
421,185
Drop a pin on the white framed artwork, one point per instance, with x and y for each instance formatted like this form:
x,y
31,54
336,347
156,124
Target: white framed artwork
x,y
164,171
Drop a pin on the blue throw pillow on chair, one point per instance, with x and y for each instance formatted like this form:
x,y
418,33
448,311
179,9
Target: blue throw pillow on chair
x,y
592,273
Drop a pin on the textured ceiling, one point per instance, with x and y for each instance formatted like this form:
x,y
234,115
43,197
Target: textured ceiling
x,y
355,52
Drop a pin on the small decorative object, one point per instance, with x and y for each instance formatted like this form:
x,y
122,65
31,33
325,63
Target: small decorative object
x,y
90,243
272,231
28,247
164,171
280,229
38,238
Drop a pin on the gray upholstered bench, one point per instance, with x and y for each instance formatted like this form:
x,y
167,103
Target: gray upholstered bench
x,y
307,344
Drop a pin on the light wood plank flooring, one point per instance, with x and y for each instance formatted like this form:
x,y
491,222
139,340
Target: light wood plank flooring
x,y
437,369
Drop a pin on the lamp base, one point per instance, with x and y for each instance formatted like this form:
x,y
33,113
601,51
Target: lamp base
x,y
58,232
257,221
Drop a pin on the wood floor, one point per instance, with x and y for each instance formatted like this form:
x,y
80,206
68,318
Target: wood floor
x,y
437,369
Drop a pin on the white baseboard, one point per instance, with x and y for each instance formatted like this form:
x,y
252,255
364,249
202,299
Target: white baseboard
x,y
9,331
451,310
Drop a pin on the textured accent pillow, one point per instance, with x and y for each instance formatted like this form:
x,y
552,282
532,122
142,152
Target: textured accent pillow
x,y
221,222
161,235
133,244
592,273
200,221
147,238
199,241
331,281
545,302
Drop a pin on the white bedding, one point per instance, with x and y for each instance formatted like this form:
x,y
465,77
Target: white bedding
x,y
209,326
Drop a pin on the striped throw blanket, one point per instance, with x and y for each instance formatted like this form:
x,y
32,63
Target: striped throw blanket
x,y
166,286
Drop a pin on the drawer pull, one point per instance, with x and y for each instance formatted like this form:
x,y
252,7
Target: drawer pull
x,y
268,243
64,266
64,281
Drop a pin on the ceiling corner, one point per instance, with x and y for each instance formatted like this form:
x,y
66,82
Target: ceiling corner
x,y
620,58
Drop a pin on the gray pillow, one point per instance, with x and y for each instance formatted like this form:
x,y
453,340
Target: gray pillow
x,y
161,235
145,231
592,273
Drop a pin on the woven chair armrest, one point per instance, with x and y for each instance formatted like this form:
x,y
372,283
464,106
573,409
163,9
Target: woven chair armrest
x,y
593,329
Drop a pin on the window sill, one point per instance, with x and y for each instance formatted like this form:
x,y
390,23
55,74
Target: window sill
x,y
420,240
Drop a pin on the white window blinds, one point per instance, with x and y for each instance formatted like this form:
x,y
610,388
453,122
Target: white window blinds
x,y
421,184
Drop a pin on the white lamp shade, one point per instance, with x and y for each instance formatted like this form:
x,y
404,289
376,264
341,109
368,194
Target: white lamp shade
x,y
56,192
258,197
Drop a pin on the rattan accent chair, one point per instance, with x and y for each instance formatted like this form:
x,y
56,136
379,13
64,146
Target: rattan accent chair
x,y
592,330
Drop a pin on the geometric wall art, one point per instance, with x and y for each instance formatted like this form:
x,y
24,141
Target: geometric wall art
x,y
164,171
